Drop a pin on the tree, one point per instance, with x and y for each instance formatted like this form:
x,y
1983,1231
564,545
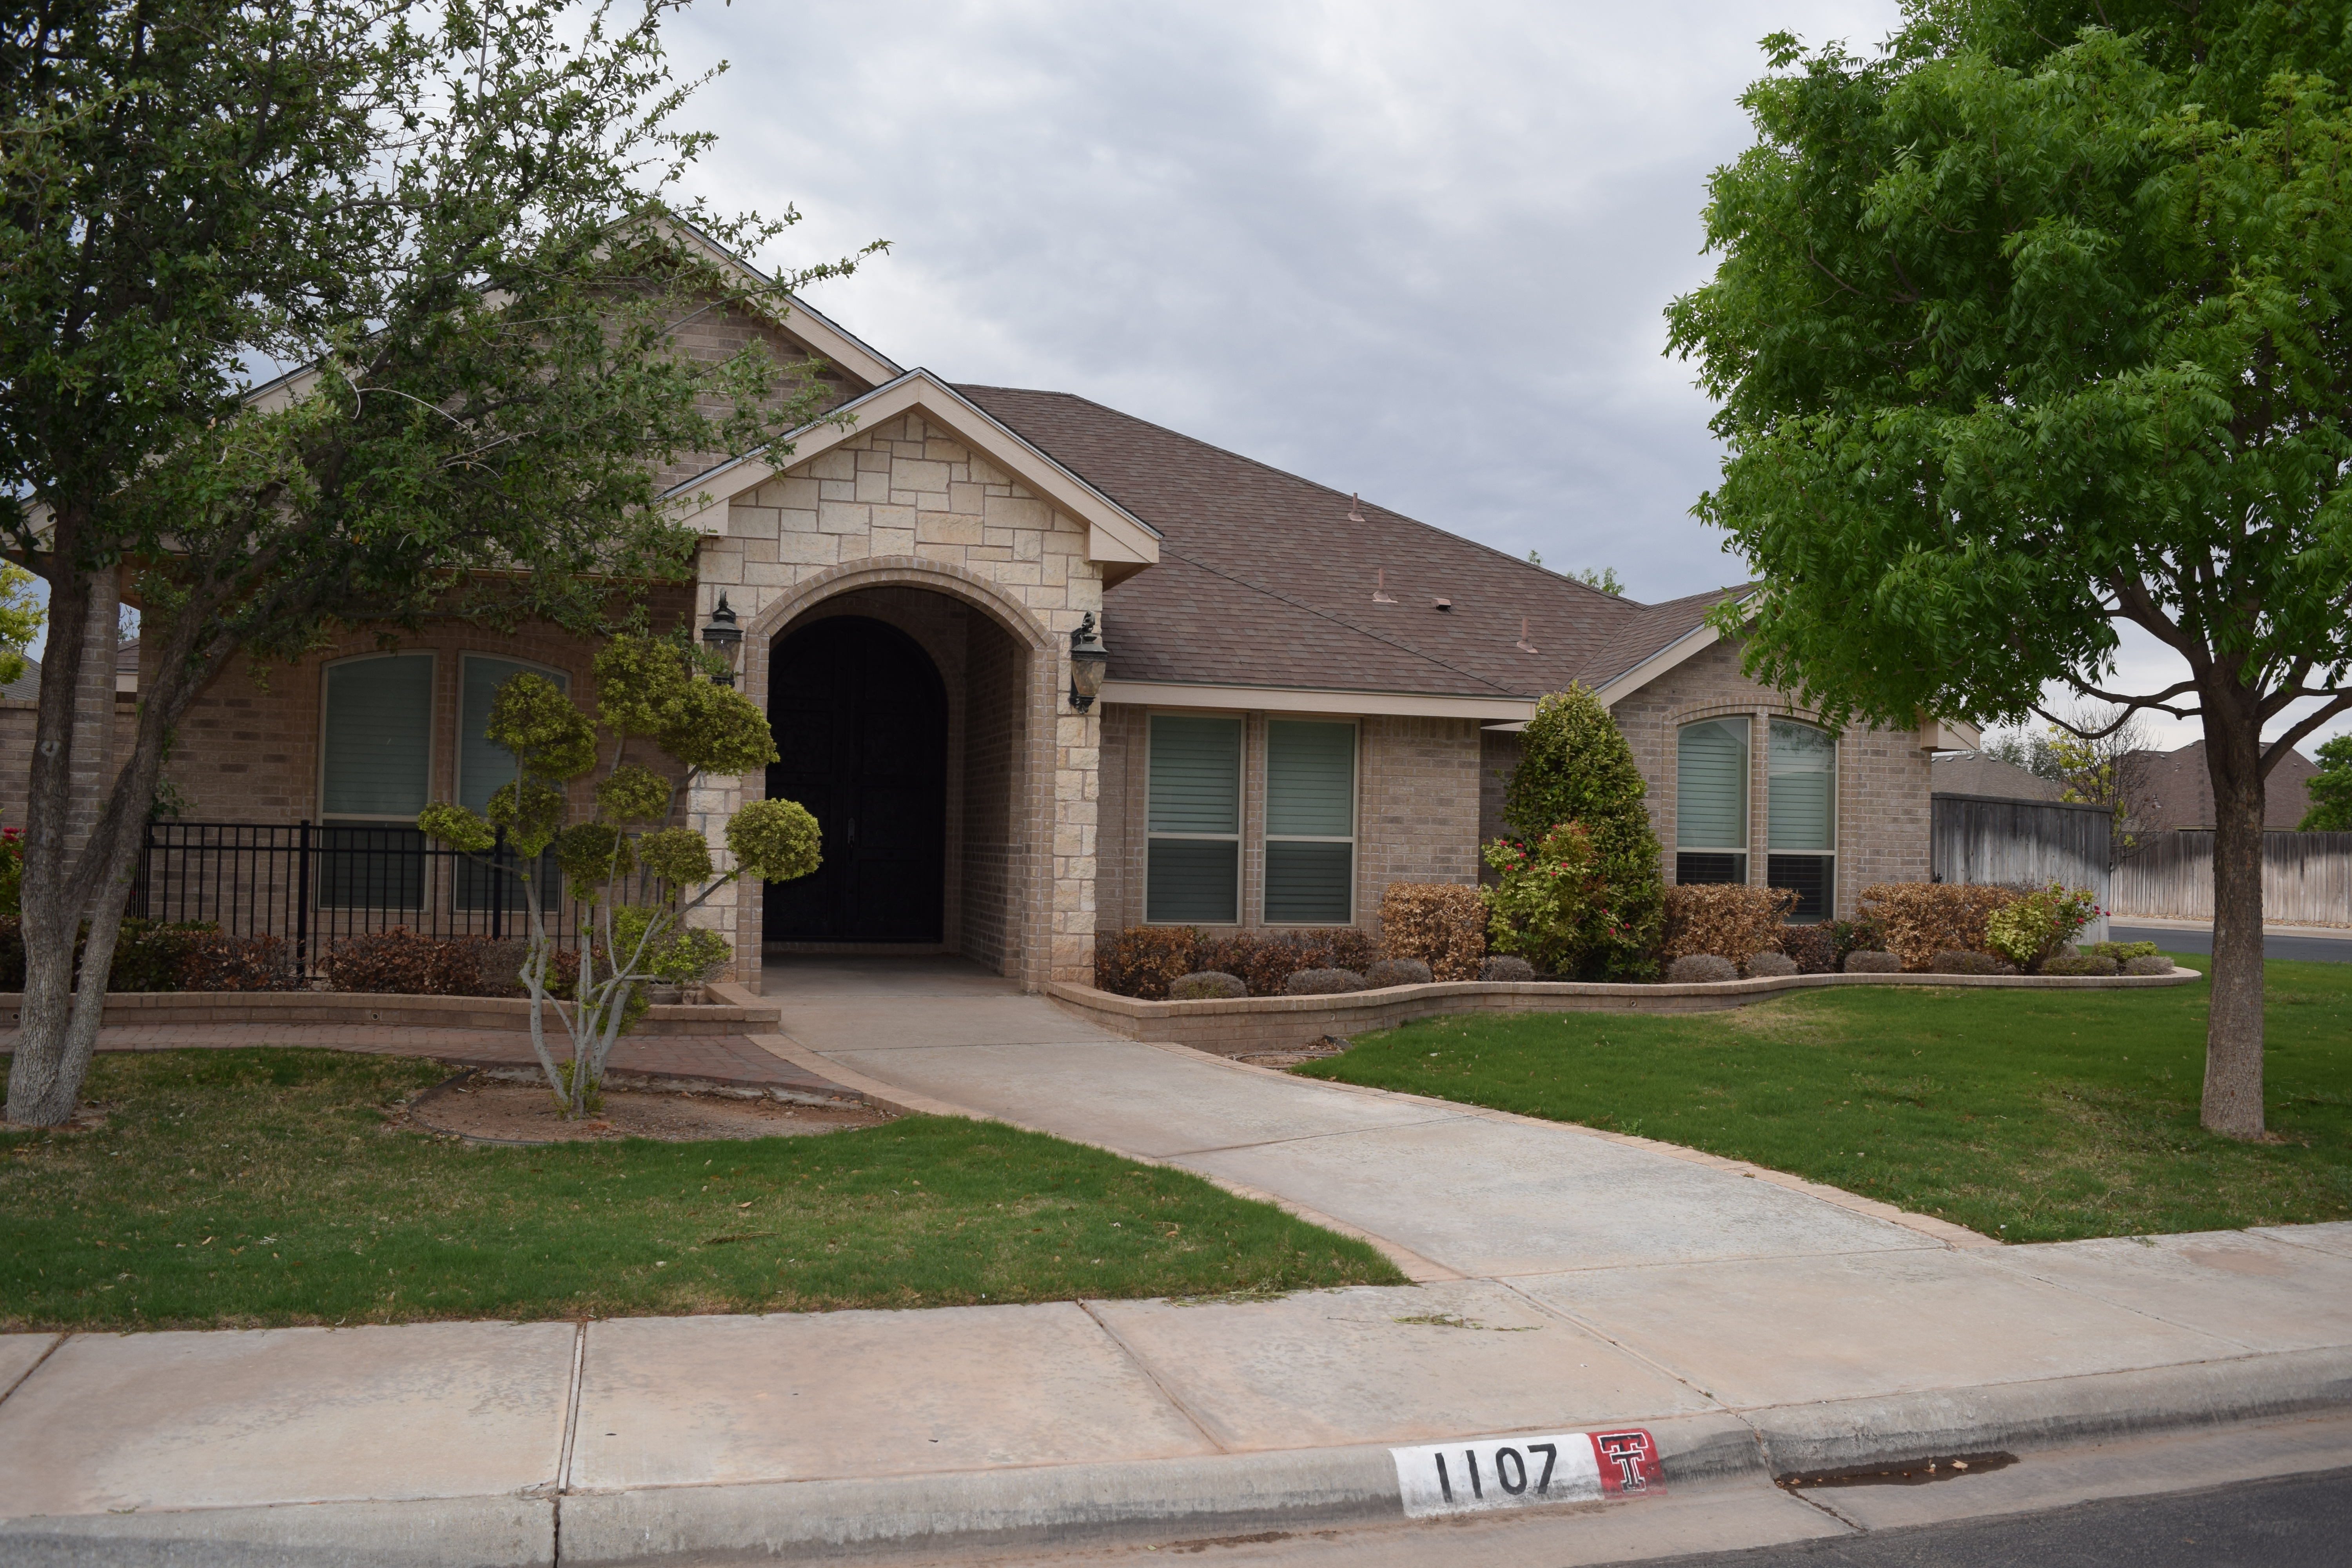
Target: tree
x,y
1604,578
1575,768
644,690
2031,324
2331,789
2092,750
21,615
2027,749
454,228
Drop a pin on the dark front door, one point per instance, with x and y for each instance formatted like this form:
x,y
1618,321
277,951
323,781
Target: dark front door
x,y
861,723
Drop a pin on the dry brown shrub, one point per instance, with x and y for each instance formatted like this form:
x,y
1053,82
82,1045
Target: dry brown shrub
x,y
1140,961
1920,919
1728,920
1443,924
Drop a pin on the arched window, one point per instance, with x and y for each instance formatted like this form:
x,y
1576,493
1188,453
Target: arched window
x,y
375,773
1801,816
1711,802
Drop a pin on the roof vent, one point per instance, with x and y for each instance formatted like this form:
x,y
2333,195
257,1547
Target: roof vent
x,y
1523,645
1381,595
1355,509
1443,604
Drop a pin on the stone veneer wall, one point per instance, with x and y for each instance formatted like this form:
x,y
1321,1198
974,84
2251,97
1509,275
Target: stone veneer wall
x,y
905,503
1883,811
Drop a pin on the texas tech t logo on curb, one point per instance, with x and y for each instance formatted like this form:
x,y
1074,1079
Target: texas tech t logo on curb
x,y
1488,1473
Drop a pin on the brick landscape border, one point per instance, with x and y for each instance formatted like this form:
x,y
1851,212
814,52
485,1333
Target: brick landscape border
x,y
1244,1025
740,1014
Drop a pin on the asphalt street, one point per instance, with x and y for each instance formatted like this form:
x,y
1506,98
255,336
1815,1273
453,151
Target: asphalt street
x,y
2317,949
2303,1522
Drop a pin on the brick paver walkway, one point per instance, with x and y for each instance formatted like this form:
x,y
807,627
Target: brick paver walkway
x,y
735,1059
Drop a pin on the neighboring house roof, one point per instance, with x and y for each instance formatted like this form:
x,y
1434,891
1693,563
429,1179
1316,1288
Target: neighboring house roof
x,y
1972,773
1264,581
26,687
2172,789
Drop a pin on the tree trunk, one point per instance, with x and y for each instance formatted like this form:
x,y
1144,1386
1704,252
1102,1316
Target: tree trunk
x,y
2233,1039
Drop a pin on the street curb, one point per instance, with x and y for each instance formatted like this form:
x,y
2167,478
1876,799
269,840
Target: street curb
x,y
434,1533
2051,1413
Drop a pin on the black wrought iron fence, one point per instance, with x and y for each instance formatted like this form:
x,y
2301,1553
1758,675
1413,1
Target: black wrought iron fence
x,y
315,884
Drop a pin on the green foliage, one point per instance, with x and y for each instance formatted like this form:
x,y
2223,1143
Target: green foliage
x,y
2121,952
775,840
678,856
592,854
21,615
1604,578
641,685
531,814
682,956
718,730
457,827
1550,904
1575,766
2029,931
2331,789
551,739
632,794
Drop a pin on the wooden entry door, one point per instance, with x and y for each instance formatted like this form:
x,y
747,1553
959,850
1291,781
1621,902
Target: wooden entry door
x,y
860,718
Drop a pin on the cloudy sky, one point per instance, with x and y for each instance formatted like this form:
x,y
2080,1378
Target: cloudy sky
x,y
1417,250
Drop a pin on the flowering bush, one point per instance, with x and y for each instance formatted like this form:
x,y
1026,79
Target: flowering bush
x,y
2028,931
1553,904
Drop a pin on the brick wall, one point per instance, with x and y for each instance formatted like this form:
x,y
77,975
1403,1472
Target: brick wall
x,y
1881,784
993,826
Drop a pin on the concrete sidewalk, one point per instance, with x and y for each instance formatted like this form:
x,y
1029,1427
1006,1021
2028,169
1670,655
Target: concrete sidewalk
x,y
1570,1282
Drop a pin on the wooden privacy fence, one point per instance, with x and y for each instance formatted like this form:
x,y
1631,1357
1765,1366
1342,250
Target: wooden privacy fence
x,y
1984,839
2306,878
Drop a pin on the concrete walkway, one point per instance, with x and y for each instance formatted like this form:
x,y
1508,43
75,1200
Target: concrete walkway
x,y
1571,1282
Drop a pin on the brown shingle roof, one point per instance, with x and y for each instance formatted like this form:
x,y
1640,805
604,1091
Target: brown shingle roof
x,y
2174,789
1262,581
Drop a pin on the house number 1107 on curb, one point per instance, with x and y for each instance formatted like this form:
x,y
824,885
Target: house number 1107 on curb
x,y
1516,1472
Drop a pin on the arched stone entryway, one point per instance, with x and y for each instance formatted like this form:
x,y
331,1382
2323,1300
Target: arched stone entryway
x,y
912,623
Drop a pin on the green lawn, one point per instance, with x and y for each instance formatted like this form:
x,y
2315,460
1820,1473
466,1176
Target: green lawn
x,y
2029,1115
239,1188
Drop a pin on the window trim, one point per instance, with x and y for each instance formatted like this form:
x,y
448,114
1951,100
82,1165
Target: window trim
x,y
432,658
1355,815
1240,813
458,740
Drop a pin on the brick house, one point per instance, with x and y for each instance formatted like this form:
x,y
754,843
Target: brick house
x,y
1308,698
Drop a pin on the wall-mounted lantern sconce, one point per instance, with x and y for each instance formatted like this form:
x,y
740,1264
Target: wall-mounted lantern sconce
x,y
721,636
1088,660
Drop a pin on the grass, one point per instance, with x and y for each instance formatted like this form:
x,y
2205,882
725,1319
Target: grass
x,y
241,1188
2027,1115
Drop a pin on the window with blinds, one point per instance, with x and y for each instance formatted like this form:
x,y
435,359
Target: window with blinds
x,y
1191,873
1711,802
376,742
1310,822
484,768
375,765
1801,813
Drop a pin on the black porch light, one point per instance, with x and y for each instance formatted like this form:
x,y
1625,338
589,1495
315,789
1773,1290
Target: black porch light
x,y
1088,660
720,636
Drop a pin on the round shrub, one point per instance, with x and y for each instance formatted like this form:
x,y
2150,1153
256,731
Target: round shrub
x,y
1206,985
1866,961
2081,964
1700,969
1813,948
1770,966
1951,963
1323,983
2148,964
1507,969
1397,971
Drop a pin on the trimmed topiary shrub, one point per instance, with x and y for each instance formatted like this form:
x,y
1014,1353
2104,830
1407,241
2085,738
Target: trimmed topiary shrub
x,y
1917,920
1140,961
1770,966
403,962
2148,964
1206,985
1725,919
2122,952
1701,969
1812,949
2081,964
1443,924
1266,959
1397,971
1323,983
1870,961
212,961
1957,962
1575,767
1508,969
